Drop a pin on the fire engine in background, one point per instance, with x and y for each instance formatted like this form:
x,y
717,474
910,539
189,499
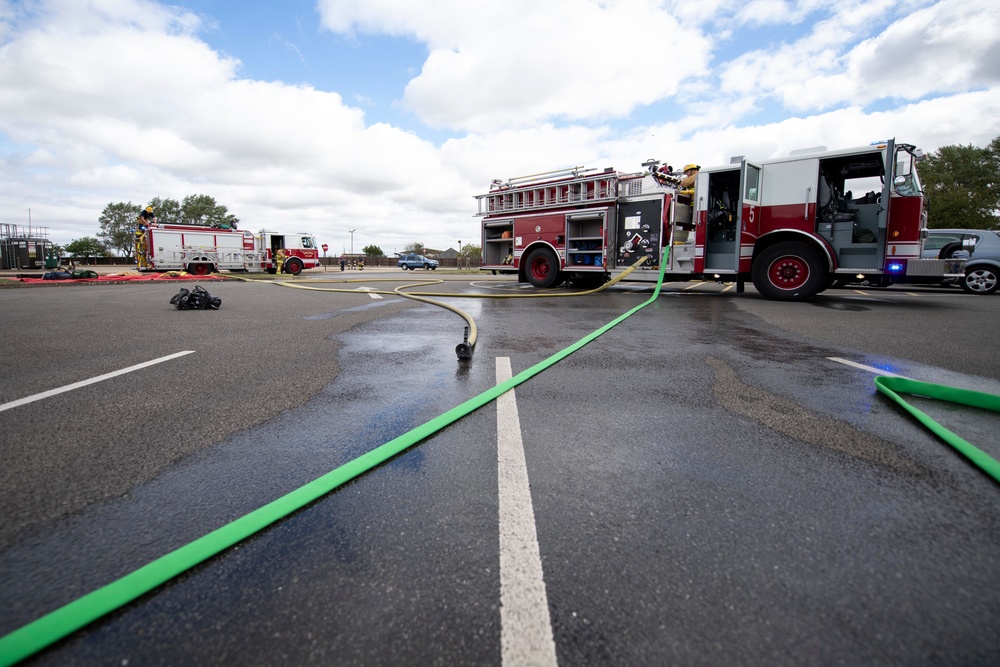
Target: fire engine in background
x,y
203,250
794,225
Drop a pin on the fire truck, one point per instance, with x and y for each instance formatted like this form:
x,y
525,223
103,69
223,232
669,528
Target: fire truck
x,y
202,250
794,226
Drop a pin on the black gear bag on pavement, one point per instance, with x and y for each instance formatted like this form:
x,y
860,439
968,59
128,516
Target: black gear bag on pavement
x,y
196,299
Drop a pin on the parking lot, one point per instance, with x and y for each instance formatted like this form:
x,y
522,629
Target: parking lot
x,y
713,480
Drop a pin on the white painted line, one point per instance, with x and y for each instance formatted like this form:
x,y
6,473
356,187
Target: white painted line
x,y
368,289
871,369
84,383
525,626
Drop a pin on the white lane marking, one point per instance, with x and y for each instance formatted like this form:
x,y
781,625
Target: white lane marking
x,y
525,626
84,383
871,369
368,289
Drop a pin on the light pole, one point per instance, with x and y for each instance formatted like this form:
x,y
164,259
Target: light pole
x,y
352,241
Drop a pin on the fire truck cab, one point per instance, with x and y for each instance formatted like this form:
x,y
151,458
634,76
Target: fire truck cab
x,y
792,225
301,251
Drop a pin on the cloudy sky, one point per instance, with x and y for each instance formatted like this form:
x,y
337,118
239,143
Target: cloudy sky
x,y
388,116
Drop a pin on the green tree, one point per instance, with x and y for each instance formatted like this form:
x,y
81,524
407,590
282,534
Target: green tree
x,y
118,227
203,210
167,211
86,248
416,247
470,250
962,185
373,251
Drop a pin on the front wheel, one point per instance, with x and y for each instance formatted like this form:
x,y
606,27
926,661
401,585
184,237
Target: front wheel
x,y
980,280
293,266
789,271
542,268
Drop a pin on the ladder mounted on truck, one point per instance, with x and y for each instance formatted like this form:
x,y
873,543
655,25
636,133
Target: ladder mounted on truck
x,y
549,189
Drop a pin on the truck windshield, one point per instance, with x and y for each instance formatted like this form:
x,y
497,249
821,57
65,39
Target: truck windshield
x,y
307,242
906,181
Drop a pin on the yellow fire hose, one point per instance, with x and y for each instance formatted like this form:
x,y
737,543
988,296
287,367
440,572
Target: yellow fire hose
x,y
464,349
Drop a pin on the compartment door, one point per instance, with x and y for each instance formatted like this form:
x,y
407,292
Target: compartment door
x,y
749,218
640,224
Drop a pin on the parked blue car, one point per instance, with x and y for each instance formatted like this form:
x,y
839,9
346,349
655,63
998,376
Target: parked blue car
x,y
413,261
982,268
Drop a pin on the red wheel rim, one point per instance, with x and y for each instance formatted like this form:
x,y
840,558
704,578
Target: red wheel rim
x,y
788,273
198,269
540,268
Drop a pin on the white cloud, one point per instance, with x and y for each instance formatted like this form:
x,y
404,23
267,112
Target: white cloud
x,y
948,47
499,65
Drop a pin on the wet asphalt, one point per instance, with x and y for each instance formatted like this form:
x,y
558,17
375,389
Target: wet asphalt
x,y
708,487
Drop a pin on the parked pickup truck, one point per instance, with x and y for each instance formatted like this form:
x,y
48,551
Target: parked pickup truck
x,y
413,261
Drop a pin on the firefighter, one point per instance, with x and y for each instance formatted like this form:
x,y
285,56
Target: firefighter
x,y
343,262
690,173
279,261
142,224
361,263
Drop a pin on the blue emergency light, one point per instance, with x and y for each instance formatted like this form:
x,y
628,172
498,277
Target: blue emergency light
x,y
895,267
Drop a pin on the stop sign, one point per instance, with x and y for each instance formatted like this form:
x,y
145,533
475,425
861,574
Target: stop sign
x,y
325,247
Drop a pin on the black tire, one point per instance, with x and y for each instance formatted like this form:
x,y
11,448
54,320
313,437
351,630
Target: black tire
x,y
199,269
789,271
427,267
293,266
403,267
981,280
541,268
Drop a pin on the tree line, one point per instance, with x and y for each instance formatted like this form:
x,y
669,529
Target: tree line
x,y
962,186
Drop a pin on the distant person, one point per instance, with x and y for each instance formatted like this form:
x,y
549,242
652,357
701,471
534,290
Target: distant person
x,y
145,220
343,262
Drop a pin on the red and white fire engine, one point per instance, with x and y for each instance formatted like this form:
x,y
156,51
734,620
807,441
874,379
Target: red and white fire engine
x,y
794,225
202,250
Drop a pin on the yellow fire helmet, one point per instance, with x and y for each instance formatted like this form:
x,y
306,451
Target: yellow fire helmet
x,y
149,209
691,166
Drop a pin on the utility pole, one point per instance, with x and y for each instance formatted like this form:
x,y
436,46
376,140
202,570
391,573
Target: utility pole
x,y
352,241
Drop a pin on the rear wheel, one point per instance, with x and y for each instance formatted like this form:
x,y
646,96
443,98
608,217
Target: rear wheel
x,y
542,268
981,280
200,269
789,272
